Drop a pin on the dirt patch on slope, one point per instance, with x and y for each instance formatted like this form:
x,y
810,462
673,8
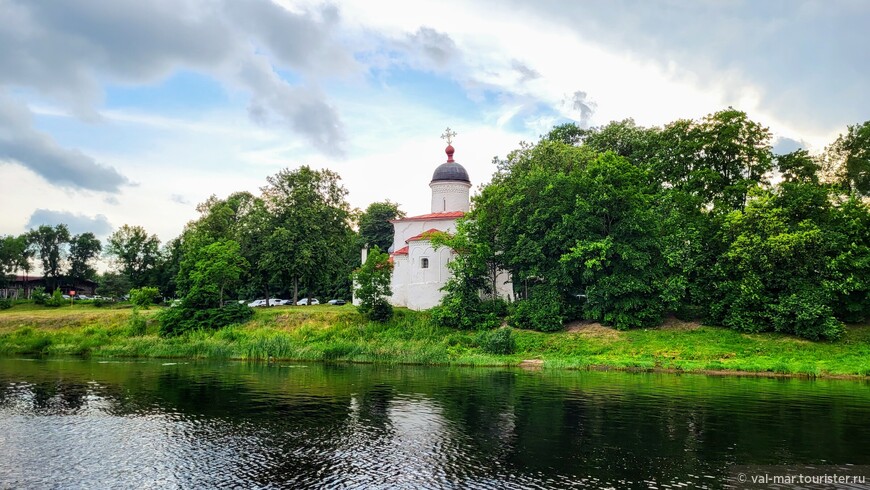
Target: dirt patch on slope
x,y
588,328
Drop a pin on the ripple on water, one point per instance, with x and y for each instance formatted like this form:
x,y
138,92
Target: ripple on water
x,y
142,425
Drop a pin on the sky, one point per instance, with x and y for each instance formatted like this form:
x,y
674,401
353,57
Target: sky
x,y
132,112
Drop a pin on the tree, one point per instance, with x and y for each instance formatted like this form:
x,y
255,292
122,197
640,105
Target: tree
x,y
49,244
207,273
375,228
15,254
373,285
83,249
135,253
113,285
847,160
309,216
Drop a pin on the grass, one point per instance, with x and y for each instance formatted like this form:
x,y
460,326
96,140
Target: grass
x,y
329,333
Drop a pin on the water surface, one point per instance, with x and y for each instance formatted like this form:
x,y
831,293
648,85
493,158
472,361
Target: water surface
x,y
157,424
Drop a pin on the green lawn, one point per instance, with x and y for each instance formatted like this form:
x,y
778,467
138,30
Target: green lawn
x,y
331,333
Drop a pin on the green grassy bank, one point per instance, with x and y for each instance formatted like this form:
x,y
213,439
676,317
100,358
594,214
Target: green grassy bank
x,y
325,333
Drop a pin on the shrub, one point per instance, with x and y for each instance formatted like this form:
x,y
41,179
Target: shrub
x,y
39,296
144,297
500,341
182,319
806,314
137,324
373,286
542,311
55,300
5,304
380,311
99,302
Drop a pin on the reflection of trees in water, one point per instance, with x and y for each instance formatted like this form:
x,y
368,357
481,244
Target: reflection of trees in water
x,y
273,425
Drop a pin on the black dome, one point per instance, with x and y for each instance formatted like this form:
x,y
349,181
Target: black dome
x,y
450,171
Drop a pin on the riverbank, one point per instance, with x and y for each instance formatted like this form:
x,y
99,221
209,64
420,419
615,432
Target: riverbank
x,y
328,333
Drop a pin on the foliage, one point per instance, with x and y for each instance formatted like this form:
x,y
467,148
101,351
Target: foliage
x,y
375,229
39,296
308,223
55,300
15,254
180,320
373,285
5,303
144,297
136,324
499,341
113,285
847,160
135,253
207,272
49,243
83,249
540,311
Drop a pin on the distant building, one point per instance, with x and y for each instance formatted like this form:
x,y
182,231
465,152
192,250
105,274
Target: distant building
x,y
419,269
21,287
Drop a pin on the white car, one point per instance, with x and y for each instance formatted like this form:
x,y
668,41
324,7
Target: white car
x,y
304,302
279,302
257,302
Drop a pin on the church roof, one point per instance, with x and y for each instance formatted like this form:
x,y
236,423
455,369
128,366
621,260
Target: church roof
x,y
431,217
450,171
423,236
401,251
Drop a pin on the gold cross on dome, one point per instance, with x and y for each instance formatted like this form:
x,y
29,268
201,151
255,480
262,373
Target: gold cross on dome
x,y
448,135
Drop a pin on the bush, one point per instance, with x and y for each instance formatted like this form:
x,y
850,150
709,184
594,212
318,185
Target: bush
x,y
99,302
542,311
182,319
144,297
806,314
5,304
380,311
500,341
137,324
55,300
39,296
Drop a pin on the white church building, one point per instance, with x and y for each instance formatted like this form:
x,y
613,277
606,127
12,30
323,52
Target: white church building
x,y
419,269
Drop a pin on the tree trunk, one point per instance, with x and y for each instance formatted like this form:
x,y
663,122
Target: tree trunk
x,y
295,290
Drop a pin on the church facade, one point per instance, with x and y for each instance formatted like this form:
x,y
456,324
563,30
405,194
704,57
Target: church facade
x,y
420,269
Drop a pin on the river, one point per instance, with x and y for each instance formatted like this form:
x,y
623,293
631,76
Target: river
x,y
71,423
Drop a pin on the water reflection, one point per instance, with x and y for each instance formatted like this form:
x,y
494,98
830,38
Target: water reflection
x,y
71,423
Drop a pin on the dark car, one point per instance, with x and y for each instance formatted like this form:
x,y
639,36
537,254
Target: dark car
x,y
337,302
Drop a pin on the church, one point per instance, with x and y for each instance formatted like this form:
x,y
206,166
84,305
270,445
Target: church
x,y
419,269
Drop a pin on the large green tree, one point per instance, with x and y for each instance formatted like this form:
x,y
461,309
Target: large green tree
x,y
375,229
847,160
135,253
310,219
83,250
49,244
15,255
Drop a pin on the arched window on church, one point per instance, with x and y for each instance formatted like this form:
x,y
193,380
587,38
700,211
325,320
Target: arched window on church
x,y
424,263
445,203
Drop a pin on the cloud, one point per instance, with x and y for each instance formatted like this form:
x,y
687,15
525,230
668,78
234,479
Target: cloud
x,y
525,72
783,145
581,107
67,51
20,143
179,199
807,60
77,223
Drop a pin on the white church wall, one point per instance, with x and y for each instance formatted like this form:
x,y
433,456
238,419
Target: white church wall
x,y
399,282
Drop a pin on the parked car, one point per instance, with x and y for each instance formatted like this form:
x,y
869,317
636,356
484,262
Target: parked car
x,y
304,302
279,302
257,302
337,302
